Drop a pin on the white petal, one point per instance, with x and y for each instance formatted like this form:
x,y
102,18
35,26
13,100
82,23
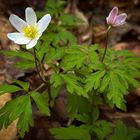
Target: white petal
x,y
18,38
30,16
31,44
44,22
17,22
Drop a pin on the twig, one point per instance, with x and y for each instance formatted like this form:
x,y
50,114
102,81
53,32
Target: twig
x,y
39,87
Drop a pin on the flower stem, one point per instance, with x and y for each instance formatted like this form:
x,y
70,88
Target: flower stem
x,y
40,63
38,71
106,46
47,83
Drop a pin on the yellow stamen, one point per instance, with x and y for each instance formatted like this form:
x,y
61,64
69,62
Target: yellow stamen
x,y
30,31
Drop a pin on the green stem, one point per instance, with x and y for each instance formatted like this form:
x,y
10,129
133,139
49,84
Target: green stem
x,y
49,93
94,106
36,64
106,46
40,63
47,83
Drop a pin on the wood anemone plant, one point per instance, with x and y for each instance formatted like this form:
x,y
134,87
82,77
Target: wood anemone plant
x,y
92,76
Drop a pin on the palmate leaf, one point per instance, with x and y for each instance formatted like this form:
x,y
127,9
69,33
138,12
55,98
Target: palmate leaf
x,y
122,67
56,80
54,54
73,86
25,64
93,81
95,114
102,128
11,111
21,109
93,56
69,20
73,105
116,90
41,103
131,67
71,132
67,37
118,86
104,82
17,108
26,118
20,54
77,105
124,132
74,57
84,117
24,85
9,88
127,78
55,7
27,61
51,38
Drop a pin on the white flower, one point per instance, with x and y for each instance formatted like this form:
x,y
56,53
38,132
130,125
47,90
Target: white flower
x,y
30,31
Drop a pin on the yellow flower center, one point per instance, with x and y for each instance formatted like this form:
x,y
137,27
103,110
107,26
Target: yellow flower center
x,y
30,31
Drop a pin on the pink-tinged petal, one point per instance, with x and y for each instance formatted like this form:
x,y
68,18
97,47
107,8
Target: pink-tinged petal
x,y
120,19
112,15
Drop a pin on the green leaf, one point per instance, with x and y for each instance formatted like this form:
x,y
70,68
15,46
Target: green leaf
x,y
93,56
105,82
73,86
102,129
25,64
73,105
56,80
97,66
41,103
84,117
95,114
67,37
69,20
74,57
42,49
26,118
77,105
71,132
55,7
116,90
123,70
124,132
21,54
93,81
9,112
54,54
24,85
54,93
17,108
9,88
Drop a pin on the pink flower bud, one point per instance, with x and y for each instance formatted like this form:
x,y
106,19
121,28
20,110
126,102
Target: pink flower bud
x,y
114,19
